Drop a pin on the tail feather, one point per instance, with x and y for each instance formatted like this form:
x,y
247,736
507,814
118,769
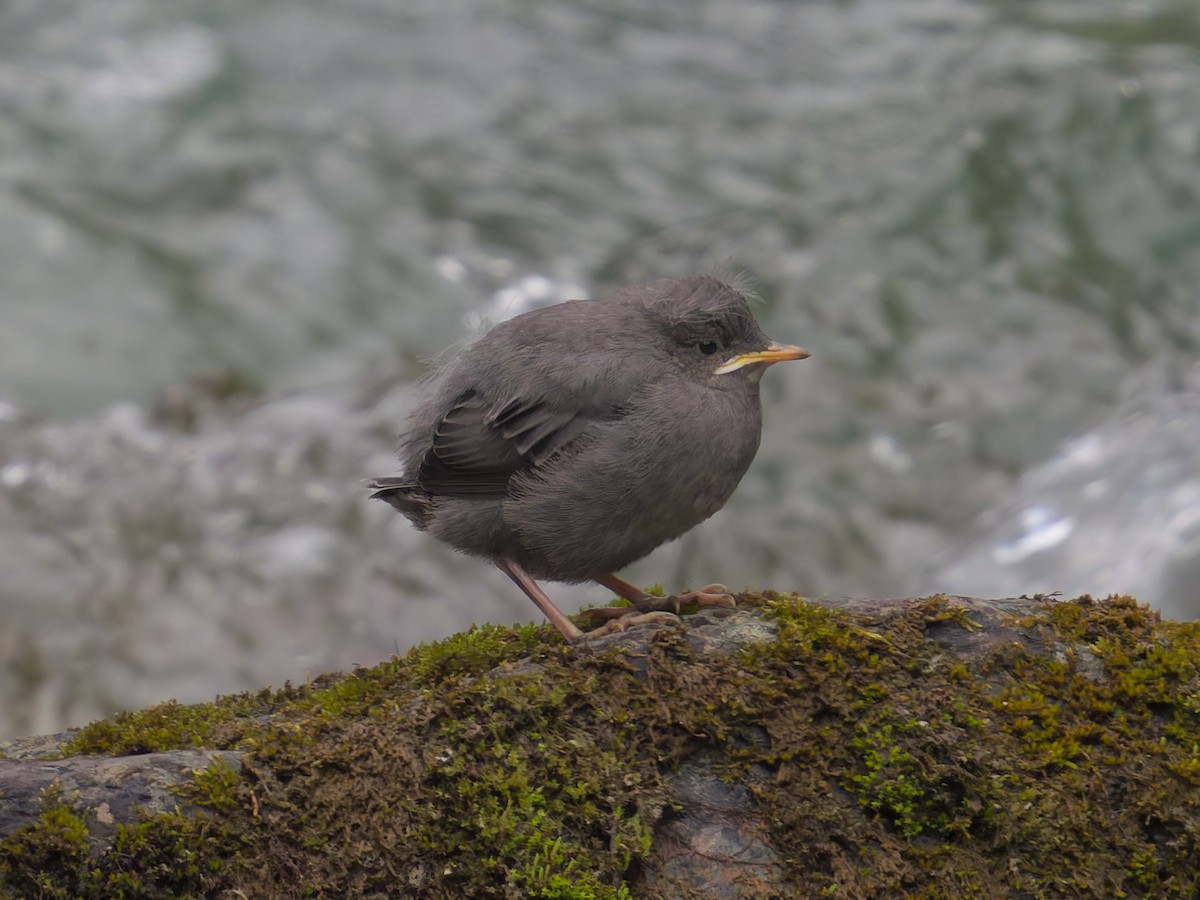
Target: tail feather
x,y
404,495
382,487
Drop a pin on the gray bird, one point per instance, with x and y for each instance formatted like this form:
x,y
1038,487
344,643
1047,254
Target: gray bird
x,y
571,441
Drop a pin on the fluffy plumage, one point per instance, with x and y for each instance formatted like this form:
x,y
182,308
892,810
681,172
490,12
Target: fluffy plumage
x,y
573,440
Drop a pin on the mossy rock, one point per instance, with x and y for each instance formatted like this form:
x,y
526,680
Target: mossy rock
x,y
940,747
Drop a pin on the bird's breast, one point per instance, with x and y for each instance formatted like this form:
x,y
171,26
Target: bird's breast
x,y
693,447
628,485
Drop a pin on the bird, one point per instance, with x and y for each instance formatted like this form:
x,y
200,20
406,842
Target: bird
x,y
572,440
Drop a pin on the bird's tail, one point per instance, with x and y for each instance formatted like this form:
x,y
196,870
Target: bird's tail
x,y
403,494
384,487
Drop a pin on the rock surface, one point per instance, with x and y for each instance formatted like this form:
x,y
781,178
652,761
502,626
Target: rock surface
x,y
946,745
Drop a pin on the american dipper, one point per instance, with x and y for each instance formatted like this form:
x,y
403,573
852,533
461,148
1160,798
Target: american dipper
x,y
572,440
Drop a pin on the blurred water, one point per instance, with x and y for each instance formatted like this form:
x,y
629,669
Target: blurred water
x,y
1117,509
232,234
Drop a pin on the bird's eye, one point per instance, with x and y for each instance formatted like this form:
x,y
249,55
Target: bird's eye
x,y
708,348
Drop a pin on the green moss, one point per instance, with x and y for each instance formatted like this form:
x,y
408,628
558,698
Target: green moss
x,y
955,766
47,858
174,726
891,783
217,787
1065,763
472,653
165,855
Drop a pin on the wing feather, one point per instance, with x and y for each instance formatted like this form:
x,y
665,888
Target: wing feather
x,y
478,446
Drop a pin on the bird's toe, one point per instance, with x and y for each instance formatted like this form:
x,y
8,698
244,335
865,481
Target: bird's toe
x,y
631,619
709,595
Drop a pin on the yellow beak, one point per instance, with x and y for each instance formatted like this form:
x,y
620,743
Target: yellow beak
x,y
773,354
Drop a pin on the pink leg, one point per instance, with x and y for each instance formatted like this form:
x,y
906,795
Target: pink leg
x,y
635,595
526,583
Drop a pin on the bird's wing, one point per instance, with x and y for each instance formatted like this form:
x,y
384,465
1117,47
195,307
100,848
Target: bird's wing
x,y
479,444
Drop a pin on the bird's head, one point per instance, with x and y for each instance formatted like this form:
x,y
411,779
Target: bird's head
x,y
707,328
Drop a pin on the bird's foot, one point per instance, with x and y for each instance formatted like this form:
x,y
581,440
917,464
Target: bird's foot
x,y
627,619
709,595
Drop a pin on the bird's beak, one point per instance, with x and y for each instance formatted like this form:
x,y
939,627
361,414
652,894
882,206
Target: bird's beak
x,y
772,354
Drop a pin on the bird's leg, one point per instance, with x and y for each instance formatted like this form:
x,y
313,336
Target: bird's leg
x,y
638,599
564,625
709,595
526,583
